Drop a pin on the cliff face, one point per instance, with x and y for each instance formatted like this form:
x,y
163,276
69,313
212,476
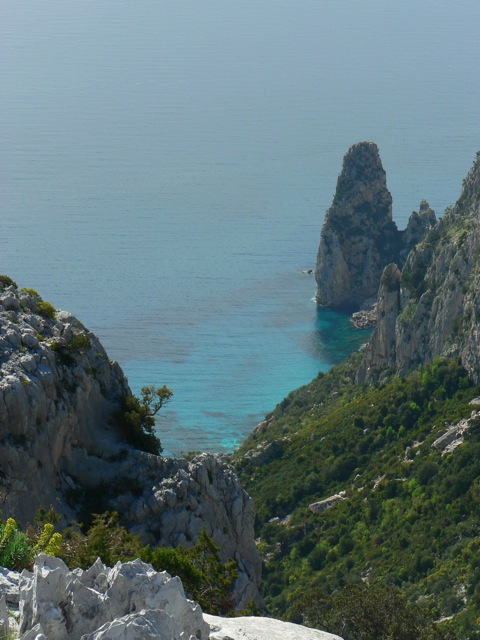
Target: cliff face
x,y
439,294
57,393
359,237
60,446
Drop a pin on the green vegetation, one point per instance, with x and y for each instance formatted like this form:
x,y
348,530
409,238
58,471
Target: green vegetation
x,y
31,292
205,577
5,282
18,549
66,351
46,309
409,517
137,418
362,612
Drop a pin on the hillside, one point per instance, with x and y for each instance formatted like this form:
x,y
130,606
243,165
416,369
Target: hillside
x,y
371,473
404,511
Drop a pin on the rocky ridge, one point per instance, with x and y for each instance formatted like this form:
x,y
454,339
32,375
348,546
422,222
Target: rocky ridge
x,y
430,307
130,601
60,444
359,237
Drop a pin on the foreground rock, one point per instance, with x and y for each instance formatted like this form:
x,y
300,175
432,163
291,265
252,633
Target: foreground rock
x,y
252,628
359,237
60,445
129,602
106,603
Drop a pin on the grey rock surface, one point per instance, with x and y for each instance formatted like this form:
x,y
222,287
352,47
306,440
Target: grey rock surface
x,y
253,628
359,237
439,294
73,604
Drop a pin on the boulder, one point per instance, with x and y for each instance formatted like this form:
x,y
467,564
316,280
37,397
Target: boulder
x,y
72,604
253,628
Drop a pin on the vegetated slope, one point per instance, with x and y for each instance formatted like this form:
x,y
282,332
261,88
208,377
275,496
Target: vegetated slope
x,y
380,483
406,511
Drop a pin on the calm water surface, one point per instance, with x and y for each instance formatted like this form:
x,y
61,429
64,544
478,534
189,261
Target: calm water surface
x,y
166,166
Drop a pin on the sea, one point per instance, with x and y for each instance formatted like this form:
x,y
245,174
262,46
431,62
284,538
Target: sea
x,y
166,166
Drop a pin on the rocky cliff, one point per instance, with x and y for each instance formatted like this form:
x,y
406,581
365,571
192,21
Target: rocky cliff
x,y
359,237
437,295
60,445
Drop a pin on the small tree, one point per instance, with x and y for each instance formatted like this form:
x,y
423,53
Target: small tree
x,y
138,417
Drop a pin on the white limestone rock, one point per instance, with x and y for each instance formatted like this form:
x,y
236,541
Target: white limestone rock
x,y
253,628
152,624
72,604
4,622
9,581
327,503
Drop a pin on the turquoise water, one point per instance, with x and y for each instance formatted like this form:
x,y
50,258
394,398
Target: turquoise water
x,y
166,167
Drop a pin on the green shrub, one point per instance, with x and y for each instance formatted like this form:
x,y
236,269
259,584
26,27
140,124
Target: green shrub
x,y
105,539
65,351
5,282
362,612
31,292
46,309
16,552
206,579
137,418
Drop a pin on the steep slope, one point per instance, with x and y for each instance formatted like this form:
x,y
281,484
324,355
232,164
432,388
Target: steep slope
x,y
370,474
375,485
61,446
359,237
438,295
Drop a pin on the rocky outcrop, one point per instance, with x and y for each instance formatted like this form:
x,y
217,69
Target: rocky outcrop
x,y
84,604
327,503
438,295
58,391
454,434
380,351
359,237
60,445
131,601
250,628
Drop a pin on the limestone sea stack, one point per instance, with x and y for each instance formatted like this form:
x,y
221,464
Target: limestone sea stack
x,y
359,237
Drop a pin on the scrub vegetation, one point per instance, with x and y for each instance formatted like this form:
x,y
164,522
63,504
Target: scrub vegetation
x,y
408,517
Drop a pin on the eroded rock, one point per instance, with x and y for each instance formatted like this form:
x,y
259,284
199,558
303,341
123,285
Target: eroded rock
x,y
83,604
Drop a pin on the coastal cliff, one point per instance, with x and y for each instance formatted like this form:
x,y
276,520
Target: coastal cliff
x,y
359,237
438,295
61,445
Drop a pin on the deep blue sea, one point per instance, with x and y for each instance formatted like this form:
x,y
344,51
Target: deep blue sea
x,y
166,166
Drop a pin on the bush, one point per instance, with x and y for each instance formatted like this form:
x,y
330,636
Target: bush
x,y
46,309
31,292
5,282
105,539
137,418
361,612
206,579
16,552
